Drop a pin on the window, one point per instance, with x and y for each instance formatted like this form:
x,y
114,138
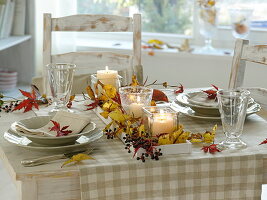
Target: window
x,y
158,16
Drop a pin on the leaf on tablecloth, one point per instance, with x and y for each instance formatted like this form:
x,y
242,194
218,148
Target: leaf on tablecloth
x,y
211,149
77,158
60,131
28,103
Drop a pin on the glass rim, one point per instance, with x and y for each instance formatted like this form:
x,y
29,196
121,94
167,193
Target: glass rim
x,y
94,76
123,89
53,65
170,109
231,92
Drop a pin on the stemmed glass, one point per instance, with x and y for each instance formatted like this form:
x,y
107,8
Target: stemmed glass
x,y
233,107
60,76
207,27
240,20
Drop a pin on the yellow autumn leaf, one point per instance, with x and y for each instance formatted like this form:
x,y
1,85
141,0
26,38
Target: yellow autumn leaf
x,y
90,92
109,106
209,136
134,81
104,114
153,103
108,126
165,139
141,130
175,135
155,41
77,158
110,91
103,97
72,97
196,140
118,116
183,137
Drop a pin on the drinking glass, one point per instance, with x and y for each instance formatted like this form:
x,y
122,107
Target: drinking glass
x,y
240,20
207,27
233,108
60,76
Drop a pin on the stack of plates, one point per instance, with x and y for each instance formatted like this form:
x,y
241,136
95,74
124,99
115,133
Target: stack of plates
x,y
197,105
8,80
45,143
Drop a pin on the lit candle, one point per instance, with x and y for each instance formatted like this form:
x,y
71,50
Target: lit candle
x,y
107,77
162,123
135,108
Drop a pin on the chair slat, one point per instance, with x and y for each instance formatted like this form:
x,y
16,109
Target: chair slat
x,y
257,54
93,23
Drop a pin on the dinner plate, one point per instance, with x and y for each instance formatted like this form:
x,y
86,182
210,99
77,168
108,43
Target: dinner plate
x,y
80,143
40,121
192,113
184,100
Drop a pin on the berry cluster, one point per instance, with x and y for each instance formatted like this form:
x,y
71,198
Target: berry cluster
x,y
8,107
145,143
110,133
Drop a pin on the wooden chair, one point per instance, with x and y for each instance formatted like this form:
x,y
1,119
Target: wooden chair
x,y
93,61
246,53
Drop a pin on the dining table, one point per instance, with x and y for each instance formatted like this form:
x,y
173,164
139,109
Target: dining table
x,y
116,174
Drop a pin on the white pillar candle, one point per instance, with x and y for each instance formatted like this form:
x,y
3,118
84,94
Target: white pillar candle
x,y
162,123
107,77
135,108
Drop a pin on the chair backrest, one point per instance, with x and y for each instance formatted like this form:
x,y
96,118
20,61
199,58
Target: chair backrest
x,y
244,52
93,61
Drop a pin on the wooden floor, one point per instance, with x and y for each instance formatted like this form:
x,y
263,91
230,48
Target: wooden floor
x,y
7,188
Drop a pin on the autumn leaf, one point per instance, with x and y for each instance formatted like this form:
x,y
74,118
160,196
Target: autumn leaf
x,y
28,103
263,142
60,131
69,105
153,103
134,81
90,92
93,105
118,116
104,114
110,91
180,89
212,94
159,96
77,158
208,137
211,149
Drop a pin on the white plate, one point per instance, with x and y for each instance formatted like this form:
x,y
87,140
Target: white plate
x,y
191,113
40,121
80,144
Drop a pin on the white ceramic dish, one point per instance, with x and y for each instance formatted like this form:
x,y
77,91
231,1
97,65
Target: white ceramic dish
x,y
80,143
191,113
183,99
40,121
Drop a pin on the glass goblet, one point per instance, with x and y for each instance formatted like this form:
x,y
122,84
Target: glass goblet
x,y
233,108
60,76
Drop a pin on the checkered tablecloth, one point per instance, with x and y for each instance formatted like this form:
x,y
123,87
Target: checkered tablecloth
x,y
226,175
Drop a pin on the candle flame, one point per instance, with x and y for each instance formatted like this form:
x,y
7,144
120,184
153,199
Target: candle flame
x,y
138,99
106,68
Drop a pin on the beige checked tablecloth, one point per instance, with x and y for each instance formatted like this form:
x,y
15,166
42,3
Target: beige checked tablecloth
x,y
226,175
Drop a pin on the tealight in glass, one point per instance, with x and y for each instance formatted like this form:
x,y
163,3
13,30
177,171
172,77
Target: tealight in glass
x,y
160,119
134,98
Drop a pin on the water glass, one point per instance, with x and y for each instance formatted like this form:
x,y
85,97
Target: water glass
x,y
233,108
60,76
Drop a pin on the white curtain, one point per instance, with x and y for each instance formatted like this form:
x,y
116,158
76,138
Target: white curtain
x,y
61,42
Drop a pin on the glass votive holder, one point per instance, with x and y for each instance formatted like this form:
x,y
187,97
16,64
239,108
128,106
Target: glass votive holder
x,y
116,82
160,119
134,98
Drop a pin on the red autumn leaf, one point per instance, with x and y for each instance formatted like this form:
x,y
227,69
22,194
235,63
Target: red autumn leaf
x,y
180,89
211,149
264,142
93,105
60,132
28,103
212,94
159,96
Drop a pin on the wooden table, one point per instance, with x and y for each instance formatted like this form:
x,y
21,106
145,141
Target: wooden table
x,y
46,181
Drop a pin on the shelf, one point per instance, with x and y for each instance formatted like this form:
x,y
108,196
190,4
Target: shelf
x,y
12,41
